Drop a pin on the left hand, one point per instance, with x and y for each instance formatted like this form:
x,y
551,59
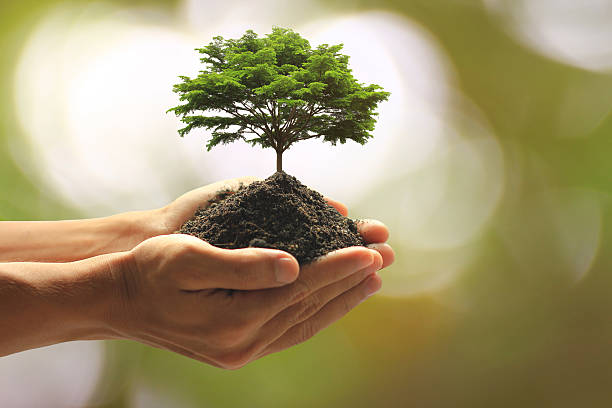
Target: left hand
x,y
181,210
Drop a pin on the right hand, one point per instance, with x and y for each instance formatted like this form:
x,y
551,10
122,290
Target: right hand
x,y
229,307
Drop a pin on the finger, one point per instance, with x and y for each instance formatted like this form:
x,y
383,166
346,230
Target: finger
x,y
328,269
342,209
210,267
253,268
373,231
387,253
330,313
305,309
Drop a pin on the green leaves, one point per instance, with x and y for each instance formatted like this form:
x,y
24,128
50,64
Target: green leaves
x,y
278,90
281,87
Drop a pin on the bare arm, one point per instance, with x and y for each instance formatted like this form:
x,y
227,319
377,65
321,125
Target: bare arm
x,y
47,303
222,307
64,241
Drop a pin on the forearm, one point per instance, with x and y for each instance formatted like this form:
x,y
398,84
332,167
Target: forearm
x,y
65,241
49,303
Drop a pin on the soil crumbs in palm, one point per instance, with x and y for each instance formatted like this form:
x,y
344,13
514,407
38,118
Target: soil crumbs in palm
x,y
279,212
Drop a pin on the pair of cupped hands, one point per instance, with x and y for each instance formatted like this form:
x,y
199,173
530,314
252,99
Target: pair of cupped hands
x,y
230,307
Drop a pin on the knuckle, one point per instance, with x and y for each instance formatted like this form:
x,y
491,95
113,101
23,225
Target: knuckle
x,y
244,265
234,360
307,308
182,249
301,289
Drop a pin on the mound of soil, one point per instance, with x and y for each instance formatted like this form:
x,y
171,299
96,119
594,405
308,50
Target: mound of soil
x,y
279,212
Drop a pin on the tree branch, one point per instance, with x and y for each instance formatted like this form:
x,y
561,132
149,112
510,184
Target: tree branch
x,y
289,119
313,111
246,121
263,120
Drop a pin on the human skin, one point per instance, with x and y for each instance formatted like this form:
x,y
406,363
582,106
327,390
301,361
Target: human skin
x,y
222,307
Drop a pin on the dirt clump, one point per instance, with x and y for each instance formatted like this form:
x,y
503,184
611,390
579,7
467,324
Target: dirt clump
x,y
278,212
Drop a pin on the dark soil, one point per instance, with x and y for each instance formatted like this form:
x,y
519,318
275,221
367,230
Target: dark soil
x,y
279,212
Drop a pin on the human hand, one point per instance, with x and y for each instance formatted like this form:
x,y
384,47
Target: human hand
x,y
227,307
175,214
375,234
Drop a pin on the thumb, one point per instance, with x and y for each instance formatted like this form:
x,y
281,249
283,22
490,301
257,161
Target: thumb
x,y
251,268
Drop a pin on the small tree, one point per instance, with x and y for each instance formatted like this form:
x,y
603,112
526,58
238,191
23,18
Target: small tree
x,y
279,91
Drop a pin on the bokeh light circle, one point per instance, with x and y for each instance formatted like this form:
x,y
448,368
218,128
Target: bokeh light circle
x,y
91,91
60,376
564,232
418,80
144,395
448,201
93,107
439,211
578,33
92,88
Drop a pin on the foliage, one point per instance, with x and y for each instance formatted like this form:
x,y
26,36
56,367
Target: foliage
x,y
275,91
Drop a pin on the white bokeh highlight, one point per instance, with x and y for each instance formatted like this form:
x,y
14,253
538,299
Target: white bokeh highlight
x,y
439,211
60,376
449,201
92,89
418,82
145,395
578,33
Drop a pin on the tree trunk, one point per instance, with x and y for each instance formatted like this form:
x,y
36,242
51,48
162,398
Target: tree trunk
x,y
279,161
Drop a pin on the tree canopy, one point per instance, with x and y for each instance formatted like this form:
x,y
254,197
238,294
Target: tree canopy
x,y
275,91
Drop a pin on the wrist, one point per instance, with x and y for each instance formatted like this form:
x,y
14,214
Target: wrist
x,y
48,303
127,230
101,294
85,297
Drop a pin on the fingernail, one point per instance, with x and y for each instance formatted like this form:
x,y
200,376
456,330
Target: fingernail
x,y
284,270
377,259
373,222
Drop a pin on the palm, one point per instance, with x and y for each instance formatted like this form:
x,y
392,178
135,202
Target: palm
x,y
183,208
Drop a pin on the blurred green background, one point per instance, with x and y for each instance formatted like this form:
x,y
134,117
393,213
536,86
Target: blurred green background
x,y
491,165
